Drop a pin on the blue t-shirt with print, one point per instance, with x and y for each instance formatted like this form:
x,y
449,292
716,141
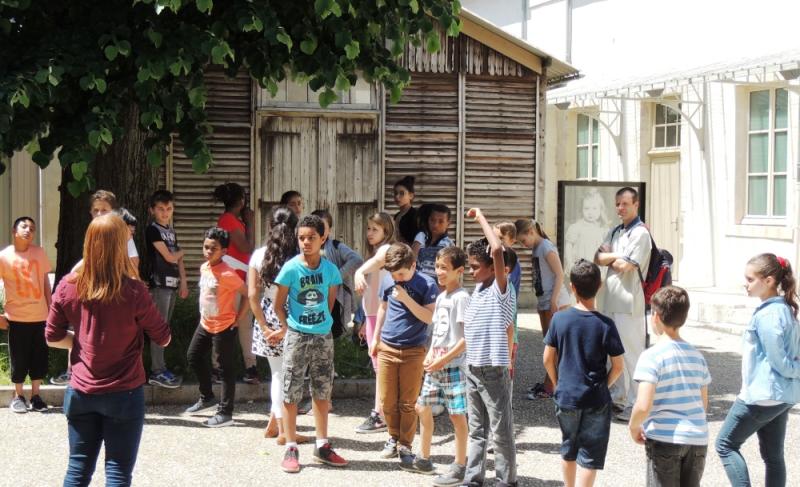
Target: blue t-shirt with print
x,y
400,327
426,258
308,294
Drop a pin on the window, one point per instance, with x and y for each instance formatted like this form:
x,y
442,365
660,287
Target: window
x,y
588,147
767,153
667,129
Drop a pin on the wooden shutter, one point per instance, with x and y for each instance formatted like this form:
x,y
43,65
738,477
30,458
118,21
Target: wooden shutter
x,y
422,141
195,209
499,153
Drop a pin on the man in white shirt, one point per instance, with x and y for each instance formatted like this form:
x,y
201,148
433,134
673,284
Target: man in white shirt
x,y
626,253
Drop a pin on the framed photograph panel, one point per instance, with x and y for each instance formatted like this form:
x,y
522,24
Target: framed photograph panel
x,y
586,212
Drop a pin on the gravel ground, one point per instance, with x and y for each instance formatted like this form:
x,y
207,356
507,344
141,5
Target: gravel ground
x,y
177,450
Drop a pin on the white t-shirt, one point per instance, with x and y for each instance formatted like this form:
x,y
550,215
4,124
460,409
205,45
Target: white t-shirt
x,y
622,292
256,260
448,324
132,249
371,301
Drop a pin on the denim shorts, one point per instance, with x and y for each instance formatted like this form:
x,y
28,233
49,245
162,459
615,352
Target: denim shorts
x,y
584,435
446,387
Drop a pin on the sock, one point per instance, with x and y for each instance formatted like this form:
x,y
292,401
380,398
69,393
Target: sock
x,y
291,444
321,442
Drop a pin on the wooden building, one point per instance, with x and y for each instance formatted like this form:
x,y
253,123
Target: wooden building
x,y
469,127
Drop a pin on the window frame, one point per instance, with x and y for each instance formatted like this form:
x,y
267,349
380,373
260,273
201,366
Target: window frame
x,y
770,172
591,143
666,125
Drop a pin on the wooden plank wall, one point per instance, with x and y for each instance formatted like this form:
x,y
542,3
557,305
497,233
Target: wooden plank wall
x,y
466,128
195,209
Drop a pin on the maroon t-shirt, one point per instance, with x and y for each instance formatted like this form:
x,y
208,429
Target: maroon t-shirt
x,y
109,338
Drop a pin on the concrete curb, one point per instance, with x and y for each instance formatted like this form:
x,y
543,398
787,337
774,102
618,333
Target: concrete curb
x,y
188,393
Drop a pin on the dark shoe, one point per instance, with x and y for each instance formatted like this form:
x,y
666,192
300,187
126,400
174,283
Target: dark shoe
x,y
219,420
389,449
201,405
373,424
304,407
453,477
326,455
61,379
251,376
291,461
419,465
37,404
407,458
165,378
18,405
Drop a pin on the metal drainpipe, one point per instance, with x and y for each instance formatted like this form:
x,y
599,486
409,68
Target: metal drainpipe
x,y
569,32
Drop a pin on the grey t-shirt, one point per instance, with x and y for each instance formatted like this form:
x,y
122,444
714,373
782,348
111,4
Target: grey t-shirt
x,y
543,274
448,324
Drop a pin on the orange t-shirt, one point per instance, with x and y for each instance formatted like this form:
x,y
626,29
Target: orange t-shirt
x,y
24,277
218,287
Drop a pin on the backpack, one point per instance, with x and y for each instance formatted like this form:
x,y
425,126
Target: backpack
x,y
659,270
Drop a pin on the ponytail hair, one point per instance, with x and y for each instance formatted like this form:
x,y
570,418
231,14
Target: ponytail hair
x,y
281,244
770,265
524,226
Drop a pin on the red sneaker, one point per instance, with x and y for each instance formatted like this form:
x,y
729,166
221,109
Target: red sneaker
x,y
291,461
326,455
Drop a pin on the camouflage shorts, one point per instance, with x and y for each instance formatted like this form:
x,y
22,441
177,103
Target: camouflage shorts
x,y
303,351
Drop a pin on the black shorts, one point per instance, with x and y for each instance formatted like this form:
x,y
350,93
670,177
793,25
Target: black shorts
x,y
28,351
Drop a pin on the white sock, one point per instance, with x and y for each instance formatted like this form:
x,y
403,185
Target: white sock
x,y
291,444
321,442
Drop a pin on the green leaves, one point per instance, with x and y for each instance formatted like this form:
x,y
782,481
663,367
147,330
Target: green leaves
x,y
111,52
79,169
205,6
284,38
220,52
198,97
327,97
309,45
155,37
325,8
352,50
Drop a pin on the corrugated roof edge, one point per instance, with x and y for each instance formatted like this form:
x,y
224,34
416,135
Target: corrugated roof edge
x,y
557,71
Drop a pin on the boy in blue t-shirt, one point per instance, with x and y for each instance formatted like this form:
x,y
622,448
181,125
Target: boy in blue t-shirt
x,y
399,343
489,334
309,283
669,417
577,348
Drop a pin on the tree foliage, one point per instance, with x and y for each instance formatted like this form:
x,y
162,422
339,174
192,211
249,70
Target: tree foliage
x,y
69,69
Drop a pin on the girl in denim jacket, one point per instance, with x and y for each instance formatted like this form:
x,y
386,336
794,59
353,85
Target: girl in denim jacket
x,y
770,373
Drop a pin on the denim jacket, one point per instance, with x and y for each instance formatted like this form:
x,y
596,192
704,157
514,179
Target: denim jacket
x,y
771,355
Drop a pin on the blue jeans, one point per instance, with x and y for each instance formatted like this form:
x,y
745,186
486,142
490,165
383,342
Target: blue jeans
x,y
115,419
584,435
769,423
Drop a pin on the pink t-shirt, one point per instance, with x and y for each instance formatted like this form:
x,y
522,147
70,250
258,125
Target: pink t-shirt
x,y
24,276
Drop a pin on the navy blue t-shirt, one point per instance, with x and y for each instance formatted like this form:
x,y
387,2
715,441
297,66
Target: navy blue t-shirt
x,y
401,328
584,341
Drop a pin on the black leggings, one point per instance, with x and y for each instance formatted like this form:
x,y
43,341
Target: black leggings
x,y
28,351
223,345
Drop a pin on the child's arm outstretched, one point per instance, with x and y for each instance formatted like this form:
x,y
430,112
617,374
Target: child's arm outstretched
x,y
376,335
644,402
496,246
373,264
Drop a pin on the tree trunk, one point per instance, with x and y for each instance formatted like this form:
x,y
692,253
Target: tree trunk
x,y
123,170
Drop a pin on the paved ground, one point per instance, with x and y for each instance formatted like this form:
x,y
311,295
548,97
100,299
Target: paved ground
x,y
177,450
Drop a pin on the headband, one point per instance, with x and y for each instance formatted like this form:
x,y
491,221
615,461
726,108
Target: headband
x,y
783,262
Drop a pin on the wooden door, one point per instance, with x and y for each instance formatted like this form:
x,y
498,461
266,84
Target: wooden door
x,y
332,162
664,206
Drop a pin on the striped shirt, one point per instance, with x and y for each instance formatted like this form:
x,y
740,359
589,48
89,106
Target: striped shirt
x,y
679,372
486,319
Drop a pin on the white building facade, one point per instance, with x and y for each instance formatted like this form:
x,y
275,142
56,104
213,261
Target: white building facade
x,y
699,100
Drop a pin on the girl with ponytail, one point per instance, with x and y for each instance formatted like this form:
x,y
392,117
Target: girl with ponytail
x,y
770,372
264,266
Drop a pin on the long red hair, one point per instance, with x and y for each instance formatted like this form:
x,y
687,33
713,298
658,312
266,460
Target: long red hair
x,y
105,260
